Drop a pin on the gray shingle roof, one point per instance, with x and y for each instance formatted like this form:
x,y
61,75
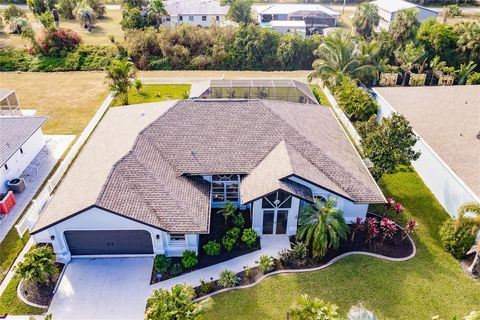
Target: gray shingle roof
x,y
158,182
14,132
195,7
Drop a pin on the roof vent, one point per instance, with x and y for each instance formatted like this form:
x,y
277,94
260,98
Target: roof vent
x,y
478,135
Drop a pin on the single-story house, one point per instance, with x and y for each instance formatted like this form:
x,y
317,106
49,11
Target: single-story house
x,y
21,139
199,12
148,177
447,121
314,16
271,89
9,105
388,9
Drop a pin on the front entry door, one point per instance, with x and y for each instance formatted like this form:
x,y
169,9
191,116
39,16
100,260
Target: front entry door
x,y
275,221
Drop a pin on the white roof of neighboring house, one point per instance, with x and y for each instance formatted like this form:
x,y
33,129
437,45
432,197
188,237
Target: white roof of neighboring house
x,y
288,23
292,8
195,7
396,5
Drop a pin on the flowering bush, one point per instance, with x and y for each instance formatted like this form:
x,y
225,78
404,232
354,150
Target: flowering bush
x,y
372,229
410,227
390,203
357,227
388,228
56,42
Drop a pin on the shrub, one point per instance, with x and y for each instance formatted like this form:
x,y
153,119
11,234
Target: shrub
x,y
161,263
247,271
57,42
205,286
13,11
38,266
228,243
66,8
2,24
228,210
355,102
46,19
312,308
239,221
295,256
457,241
176,269
228,279
249,236
97,6
39,6
132,18
388,228
474,78
454,10
233,233
189,259
19,24
212,248
265,264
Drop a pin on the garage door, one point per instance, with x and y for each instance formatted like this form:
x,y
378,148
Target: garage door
x,y
109,242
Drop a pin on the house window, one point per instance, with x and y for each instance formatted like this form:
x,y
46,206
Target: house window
x,y
278,199
6,167
21,151
218,18
225,188
204,18
168,18
190,18
180,18
177,238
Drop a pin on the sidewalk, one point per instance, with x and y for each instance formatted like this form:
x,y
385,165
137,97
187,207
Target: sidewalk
x,y
271,246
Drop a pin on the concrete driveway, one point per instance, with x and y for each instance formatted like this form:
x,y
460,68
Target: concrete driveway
x,y
104,288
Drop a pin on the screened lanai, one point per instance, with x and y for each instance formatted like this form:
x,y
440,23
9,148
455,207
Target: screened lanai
x,y
9,105
271,89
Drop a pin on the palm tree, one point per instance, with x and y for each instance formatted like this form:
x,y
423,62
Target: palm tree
x,y
157,8
465,71
228,210
468,42
307,308
120,74
404,26
38,266
474,221
366,18
408,59
339,55
322,226
175,304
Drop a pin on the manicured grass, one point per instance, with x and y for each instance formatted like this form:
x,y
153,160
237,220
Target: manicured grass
x,y
10,247
69,99
429,284
156,92
11,304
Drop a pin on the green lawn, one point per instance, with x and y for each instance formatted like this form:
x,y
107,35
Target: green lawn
x,y
429,284
9,302
157,92
10,247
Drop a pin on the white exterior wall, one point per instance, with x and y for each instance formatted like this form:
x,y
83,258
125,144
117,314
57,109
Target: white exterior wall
x,y
19,162
446,186
350,210
290,29
292,222
98,219
386,18
197,20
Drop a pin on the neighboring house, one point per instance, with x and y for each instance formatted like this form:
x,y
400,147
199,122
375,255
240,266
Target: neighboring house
x,y
21,139
9,105
147,179
198,12
303,18
388,9
447,121
271,89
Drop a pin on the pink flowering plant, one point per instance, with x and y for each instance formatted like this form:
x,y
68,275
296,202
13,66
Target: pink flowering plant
x,y
388,229
410,227
372,229
57,41
357,227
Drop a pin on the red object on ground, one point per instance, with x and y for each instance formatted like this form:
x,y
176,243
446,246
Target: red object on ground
x,y
7,203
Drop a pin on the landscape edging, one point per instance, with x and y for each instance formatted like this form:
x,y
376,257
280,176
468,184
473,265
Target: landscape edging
x,y
328,264
24,300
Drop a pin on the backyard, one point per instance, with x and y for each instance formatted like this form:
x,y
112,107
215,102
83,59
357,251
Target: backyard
x,y
431,283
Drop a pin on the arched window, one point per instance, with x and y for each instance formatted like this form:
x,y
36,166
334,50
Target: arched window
x,y
278,199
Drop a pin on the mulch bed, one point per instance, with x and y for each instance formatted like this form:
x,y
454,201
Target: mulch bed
x,y
398,247
38,293
218,230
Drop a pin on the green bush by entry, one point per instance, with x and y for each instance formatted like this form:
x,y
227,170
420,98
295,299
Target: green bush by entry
x,y
457,241
239,221
266,264
162,264
249,236
205,286
212,248
189,259
228,279
229,243
234,233
176,269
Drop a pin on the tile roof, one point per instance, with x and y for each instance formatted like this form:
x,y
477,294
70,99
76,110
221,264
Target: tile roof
x,y
158,182
14,132
448,119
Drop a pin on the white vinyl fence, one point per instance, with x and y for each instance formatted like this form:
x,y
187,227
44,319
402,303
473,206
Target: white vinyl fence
x,y
342,117
40,203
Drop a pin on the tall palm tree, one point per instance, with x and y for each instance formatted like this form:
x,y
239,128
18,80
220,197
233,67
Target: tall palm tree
x,y
229,210
340,55
408,59
38,266
468,42
157,9
404,26
465,71
120,74
366,18
474,221
322,226
308,308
